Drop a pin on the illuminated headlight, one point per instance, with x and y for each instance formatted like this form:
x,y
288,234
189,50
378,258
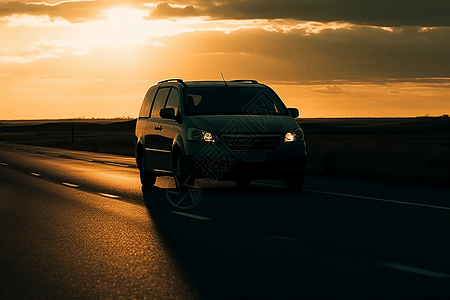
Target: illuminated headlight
x,y
195,134
294,136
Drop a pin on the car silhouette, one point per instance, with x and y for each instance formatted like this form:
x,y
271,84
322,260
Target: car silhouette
x,y
236,130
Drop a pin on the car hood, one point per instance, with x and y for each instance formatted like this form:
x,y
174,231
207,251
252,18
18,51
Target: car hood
x,y
244,123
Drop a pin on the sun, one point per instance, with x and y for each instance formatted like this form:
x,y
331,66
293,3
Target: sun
x,y
122,27
121,17
125,26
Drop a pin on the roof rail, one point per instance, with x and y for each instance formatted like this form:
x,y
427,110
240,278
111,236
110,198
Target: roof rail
x,y
172,79
245,80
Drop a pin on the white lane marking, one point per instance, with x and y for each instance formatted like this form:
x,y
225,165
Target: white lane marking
x,y
190,215
70,184
3,164
379,199
416,270
114,164
109,195
36,174
362,197
51,154
84,159
267,184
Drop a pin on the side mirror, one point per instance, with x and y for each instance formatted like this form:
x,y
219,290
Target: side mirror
x,y
294,112
168,113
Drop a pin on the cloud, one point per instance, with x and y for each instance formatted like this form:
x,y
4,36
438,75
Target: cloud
x,y
41,50
33,21
388,13
362,12
73,11
330,89
332,56
164,10
30,54
361,54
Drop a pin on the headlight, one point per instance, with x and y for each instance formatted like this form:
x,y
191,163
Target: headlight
x,y
194,134
294,136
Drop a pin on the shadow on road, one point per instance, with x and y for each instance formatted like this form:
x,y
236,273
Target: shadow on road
x,y
266,243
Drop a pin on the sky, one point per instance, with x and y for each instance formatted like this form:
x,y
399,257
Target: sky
x,y
328,58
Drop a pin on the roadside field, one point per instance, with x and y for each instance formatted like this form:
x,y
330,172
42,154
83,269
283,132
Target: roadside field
x,y
415,150
107,136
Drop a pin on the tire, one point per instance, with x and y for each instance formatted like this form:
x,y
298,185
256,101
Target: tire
x,y
183,179
243,182
294,183
147,178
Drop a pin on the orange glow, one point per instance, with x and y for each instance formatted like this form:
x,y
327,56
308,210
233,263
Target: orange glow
x,y
100,64
362,100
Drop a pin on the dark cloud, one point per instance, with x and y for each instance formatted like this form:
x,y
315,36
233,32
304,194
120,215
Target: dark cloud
x,y
359,54
164,10
332,57
390,13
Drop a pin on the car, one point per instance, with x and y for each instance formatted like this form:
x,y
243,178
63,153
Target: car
x,y
236,130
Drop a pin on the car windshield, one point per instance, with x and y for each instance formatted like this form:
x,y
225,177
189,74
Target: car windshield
x,y
233,101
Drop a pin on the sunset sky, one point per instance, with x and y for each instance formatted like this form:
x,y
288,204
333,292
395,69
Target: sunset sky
x,y
328,58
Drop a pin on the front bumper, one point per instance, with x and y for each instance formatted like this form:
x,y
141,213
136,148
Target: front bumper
x,y
218,162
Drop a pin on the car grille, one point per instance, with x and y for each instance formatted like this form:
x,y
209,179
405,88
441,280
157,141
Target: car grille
x,y
252,142
254,166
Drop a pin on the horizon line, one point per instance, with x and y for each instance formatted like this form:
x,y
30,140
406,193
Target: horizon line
x,y
134,118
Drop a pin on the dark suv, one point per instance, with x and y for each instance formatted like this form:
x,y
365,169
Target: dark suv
x,y
224,130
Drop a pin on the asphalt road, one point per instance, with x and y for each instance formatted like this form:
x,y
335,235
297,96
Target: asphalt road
x,y
79,225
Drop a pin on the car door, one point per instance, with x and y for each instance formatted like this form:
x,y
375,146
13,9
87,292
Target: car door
x,y
153,138
166,134
144,114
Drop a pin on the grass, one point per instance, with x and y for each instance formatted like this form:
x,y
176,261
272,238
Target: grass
x,y
399,158
113,136
413,150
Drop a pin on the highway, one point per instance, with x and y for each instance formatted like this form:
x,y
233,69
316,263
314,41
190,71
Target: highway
x,y
79,225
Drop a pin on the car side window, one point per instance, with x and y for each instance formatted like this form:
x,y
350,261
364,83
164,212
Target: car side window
x,y
173,100
147,103
160,100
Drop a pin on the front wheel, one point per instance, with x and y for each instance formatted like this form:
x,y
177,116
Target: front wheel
x,y
147,178
294,182
183,179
